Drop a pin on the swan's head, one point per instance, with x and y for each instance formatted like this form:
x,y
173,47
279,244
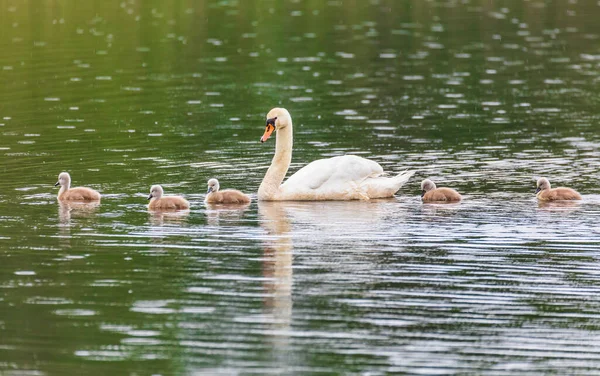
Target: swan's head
x,y
542,184
213,186
156,192
277,118
426,186
64,180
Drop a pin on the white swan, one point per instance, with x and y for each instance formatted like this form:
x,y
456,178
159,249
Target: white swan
x,y
346,177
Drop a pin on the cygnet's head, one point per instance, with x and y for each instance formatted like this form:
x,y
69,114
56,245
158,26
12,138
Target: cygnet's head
x,y
64,180
278,118
542,184
426,186
213,186
156,191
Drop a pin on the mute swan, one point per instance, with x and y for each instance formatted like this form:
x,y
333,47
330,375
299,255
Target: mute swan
x,y
157,201
346,177
430,193
545,193
228,196
66,193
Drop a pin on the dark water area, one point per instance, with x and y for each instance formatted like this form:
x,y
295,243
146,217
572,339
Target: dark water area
x,y
481,96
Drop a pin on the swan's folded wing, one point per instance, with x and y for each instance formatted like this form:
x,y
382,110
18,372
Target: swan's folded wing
x,y
333,172
312,176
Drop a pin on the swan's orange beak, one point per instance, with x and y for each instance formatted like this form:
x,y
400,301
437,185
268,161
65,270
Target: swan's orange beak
x,y
269,130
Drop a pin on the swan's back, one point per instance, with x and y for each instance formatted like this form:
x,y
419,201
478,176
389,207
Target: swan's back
x,y
332,171
347,177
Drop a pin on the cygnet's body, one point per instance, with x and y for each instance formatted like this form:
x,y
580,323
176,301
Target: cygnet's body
x,y
545,192
157,201
227,196
430,193
66,193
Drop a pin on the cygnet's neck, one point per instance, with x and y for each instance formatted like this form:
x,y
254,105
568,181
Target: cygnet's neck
x,y
64,188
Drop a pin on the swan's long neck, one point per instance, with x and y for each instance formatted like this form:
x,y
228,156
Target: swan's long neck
x,y
284,140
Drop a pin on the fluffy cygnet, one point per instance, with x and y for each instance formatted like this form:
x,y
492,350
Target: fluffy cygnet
x,y
66,193
157,201
430,193
546,193
227,196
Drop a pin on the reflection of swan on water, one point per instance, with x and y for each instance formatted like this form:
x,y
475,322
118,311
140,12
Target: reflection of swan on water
x,y
347,177
321,223
342,219
277,270
341,233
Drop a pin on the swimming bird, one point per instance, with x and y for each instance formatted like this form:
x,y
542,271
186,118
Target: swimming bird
x,y
66,193
227,196
546,193
347,177
430,193
157,201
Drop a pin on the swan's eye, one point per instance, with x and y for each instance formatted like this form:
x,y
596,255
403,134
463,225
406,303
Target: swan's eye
x,y
271,121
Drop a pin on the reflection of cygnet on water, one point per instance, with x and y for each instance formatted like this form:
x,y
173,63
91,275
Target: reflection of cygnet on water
x,y
158,217
227,213
68,209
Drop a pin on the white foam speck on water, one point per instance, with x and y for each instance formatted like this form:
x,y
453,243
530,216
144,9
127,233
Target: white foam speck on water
x,y
25,272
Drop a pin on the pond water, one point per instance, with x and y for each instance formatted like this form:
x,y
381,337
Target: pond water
x,y
482,96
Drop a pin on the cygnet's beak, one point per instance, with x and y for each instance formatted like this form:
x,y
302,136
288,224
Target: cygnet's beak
x,y
423,193
149,197
57,184
210,189
270,128
537,190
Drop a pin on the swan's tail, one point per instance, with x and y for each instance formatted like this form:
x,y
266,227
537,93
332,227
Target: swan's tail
x,y
401,179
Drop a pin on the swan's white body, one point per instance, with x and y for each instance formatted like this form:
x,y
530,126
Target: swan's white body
x,y
347,177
